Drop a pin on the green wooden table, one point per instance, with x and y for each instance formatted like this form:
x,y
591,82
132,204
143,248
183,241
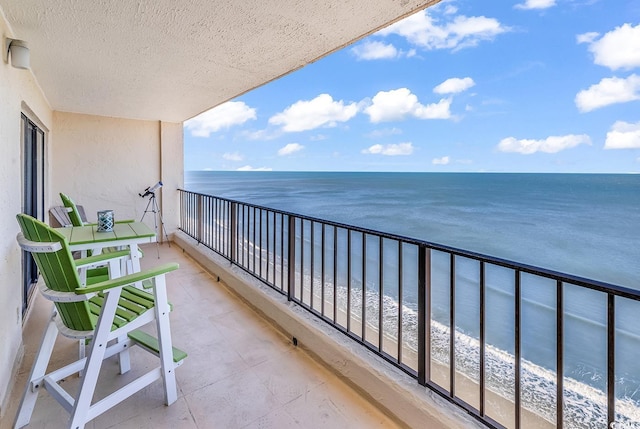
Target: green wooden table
x,y
124,236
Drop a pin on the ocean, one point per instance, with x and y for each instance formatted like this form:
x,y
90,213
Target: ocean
x,y
586,225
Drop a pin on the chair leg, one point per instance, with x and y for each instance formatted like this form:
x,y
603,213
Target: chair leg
x,y
82,352
124,358
93,364
164,340
28,402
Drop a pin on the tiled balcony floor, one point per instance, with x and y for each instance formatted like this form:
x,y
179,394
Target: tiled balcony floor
x,y
240,373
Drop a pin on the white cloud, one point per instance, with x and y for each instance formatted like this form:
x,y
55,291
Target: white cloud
x,y
375,51
617,49
551,144
441,161
220,117
399,103
623,135
250,168
322,111
439,110
385,132
422,30
390,149
233,156
587,37
290,148
262,135
454,85
609,91
450,10
536,4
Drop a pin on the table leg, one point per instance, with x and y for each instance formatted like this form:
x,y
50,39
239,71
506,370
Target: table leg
x,y
133,264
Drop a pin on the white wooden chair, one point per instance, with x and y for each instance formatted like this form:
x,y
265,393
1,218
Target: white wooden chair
x,y
108,314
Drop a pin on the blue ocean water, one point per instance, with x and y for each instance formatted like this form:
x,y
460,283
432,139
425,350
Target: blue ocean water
x,y
579,224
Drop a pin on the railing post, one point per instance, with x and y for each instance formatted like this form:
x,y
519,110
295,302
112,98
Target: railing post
x,y
181,209
422,321
611,360
200,210
517,346
559,354
233,227
291,266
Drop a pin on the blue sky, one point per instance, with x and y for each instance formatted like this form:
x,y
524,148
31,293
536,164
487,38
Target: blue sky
x,y
466,85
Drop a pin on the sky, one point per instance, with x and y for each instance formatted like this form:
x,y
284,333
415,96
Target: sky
x,y
463,86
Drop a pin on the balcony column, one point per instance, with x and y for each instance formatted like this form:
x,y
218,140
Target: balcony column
x,y
171,172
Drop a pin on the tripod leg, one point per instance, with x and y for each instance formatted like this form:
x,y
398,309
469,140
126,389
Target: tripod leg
x,y
146,210
155,221
162,227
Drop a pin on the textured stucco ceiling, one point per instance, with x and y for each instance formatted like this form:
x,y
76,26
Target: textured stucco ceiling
x,y
171,60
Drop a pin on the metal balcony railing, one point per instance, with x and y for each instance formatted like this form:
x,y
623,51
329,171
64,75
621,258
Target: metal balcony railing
x,y
512,344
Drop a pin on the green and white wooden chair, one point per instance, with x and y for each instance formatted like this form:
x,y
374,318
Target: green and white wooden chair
x,y
108,314
72,209
76,215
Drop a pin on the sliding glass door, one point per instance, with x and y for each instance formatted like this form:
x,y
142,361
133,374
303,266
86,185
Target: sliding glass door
x,y
32,195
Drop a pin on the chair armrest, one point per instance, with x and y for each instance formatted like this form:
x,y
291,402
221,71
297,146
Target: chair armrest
x,y
38,246
92,260
128,279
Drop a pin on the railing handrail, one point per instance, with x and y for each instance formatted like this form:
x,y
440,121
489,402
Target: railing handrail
x,y
597,285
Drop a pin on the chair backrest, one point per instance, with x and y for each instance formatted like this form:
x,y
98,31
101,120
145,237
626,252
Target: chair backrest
x,y
59,216
58,271
74,213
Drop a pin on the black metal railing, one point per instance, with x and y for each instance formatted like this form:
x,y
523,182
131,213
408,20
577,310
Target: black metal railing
x,y
514,345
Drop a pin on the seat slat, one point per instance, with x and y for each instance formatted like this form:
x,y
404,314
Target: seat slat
x,y
134,297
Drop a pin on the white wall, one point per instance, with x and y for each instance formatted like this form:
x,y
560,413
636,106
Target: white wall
x,y
100,162
18,93
104,163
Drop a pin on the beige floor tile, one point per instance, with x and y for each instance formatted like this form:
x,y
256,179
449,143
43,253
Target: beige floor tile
x,y
240,373
233,402
332,405
277,419
290,381
177,416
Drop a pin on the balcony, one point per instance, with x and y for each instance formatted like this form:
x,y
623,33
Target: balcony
x,y
255,359
503,341
241,371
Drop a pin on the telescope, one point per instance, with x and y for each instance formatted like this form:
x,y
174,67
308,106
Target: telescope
x,y
151,190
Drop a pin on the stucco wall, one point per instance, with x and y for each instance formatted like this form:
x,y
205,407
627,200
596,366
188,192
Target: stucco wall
x,y
172,167
18,93
104,163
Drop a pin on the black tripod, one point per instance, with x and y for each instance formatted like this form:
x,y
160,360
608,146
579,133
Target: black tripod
x,y
152,207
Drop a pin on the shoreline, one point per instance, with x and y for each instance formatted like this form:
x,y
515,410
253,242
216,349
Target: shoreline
x,y
583,405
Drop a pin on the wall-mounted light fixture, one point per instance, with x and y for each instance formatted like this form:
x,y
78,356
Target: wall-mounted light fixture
x,y
19,53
